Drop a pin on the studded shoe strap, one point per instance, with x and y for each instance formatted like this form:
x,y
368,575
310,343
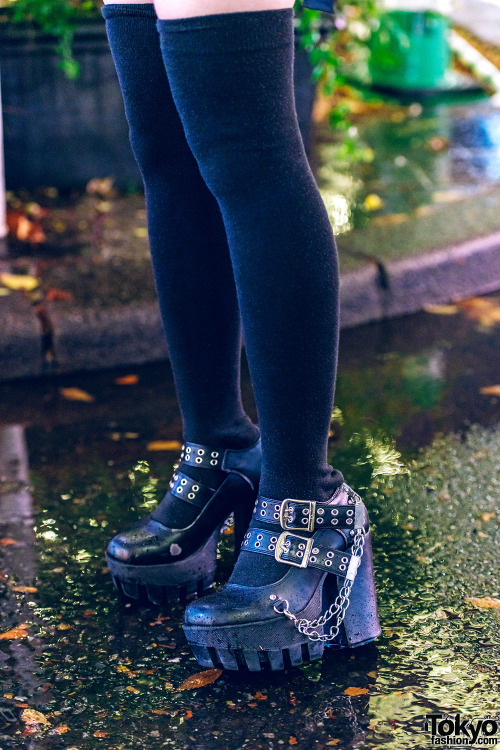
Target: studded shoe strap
x,y
301,552
307,515
191,490
202,455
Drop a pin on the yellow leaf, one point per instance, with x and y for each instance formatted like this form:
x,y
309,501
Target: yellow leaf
x,y
373,202
132,689
30,716
441,309
17,281
356,691
63,626
490,390
127,380
487,516
140,232
200,679
76,394
483,603
25,589
11,635
164,445
333,742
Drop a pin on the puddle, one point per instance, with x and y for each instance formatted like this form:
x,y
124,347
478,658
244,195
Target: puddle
x,y
104,674
408,158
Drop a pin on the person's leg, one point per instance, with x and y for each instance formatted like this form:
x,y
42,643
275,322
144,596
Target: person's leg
x,y
197,297
231,77
189,249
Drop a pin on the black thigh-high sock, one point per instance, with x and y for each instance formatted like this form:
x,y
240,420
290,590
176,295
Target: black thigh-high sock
x,y
191,261
231,77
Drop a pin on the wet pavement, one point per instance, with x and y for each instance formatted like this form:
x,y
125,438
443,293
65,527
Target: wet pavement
x,y
103,673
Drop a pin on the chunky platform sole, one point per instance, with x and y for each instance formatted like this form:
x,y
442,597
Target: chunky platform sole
x,y
276,644
193,576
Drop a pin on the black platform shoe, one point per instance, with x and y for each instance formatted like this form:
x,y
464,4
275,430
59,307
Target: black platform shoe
x,y
325,597
152,561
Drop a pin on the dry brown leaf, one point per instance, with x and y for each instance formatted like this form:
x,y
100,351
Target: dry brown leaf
x,y
76,394
483,603
30,717
7,541
14,634
164,445
490,390
100,733
161,712
127,380
200,679
25,589
441,309
356,691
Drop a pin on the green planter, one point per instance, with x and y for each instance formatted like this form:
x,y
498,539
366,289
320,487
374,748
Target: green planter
x,y
410,50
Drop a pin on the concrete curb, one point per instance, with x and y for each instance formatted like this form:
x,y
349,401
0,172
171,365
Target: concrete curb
x,y
89,339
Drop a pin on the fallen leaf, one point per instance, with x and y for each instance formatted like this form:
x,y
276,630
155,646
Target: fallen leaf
x,y
89,613
61,729
490,390
292,741
371,674
487,516
330,743
260,697
12,635
25,589
441,309
7,541
373,202
481,603
127,380
140,232
356,691
161,712
164,445
100,733
76,394
63,626
58,295
30,716
18,282
132,689
252,705
200,679
189,714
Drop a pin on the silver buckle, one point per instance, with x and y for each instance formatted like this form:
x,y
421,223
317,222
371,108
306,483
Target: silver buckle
x,y
280,549
285,509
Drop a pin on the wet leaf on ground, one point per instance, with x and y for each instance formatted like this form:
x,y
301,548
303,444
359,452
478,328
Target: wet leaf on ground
x,y
18,281
490,390
7,541
76,394
200,679
14,633
441,309
483,602
164,445
127,380
25,589
356,691
31,717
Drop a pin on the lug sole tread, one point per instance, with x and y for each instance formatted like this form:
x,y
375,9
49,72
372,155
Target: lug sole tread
x,y
162,595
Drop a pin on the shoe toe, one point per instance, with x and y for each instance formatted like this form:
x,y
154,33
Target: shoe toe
x,y
131,546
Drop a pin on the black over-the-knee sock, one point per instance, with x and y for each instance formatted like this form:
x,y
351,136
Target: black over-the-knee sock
x,y
192,266
231,76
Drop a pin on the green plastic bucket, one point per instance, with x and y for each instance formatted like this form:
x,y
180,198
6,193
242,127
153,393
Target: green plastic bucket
x,y
410,50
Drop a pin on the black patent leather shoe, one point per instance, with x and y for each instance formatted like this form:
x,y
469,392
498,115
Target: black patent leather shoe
x,y
152,561
325,597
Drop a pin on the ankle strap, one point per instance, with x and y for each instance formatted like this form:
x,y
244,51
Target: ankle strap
x,y
202,455
309,515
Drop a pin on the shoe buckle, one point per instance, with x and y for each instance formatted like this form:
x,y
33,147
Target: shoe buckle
x,y
283,546
286,515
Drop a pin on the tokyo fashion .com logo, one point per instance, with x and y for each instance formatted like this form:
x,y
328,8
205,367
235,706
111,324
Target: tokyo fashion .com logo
x,y
453,730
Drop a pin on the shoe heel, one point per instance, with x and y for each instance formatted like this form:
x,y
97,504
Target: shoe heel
x,y
361,624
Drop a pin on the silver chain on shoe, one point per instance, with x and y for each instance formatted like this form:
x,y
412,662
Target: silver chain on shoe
x,y
337,610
